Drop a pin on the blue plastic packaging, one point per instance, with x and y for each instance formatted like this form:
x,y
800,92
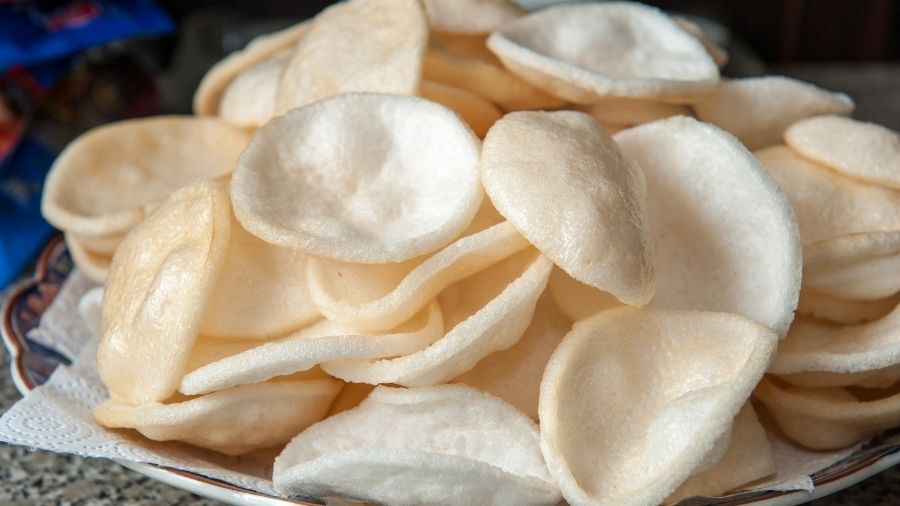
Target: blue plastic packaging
x,y
41,31
23,231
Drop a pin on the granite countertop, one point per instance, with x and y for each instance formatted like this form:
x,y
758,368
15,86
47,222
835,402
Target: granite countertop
x,y
39,477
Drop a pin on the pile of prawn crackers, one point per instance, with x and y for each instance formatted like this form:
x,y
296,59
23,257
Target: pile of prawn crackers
x,y
451,252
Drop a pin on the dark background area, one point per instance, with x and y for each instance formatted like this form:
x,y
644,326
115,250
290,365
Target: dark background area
x,y
789,31
843,45
780,31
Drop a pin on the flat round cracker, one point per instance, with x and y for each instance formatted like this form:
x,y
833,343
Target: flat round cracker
x,y
850,229
827,418
209,93
844,311
876,379
724,236
376,296
486,79
361,178
353,46
321,342
477,112
100,244
156,292
232,422
635,400
858,149
92,264
105,180
828,204
854,266
818,346
555,175
577,300
749,457
448,444
249,99
484,314
757,110
631,112
260,292
208,350
470,17
514,374
582,52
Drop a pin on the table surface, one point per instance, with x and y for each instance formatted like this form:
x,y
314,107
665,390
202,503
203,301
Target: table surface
x,y
39,477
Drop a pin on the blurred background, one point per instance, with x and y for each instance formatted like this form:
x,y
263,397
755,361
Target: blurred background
x,y
69,65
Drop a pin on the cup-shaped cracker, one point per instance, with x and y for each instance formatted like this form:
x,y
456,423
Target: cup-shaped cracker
x,y
384,295
852,350
850,229
249,99
636,400
862,150
627,112
757,110
576,299
482,314
209,93
828,204
360,177
844,311
484,78
582,52
106,180
354,46
321,342
724,236
830,417
448,444
477,112
261,291
860,266
566,186
748,458
157,290
514,374
232,422
93,264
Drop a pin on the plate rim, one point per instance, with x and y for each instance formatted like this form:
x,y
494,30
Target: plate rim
x,y
198,484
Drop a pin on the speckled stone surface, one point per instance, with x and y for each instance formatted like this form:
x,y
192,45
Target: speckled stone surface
x,y
28,478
